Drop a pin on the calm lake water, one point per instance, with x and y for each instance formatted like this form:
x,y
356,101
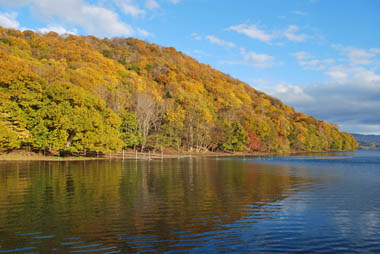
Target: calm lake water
x,y
328,203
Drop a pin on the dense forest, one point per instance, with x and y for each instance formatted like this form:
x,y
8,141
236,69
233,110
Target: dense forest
x,y
75,93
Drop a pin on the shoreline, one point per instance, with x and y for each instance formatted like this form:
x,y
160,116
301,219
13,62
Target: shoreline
x,y
28,156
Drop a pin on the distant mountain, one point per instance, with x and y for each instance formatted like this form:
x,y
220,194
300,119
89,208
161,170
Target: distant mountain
x,y
367,141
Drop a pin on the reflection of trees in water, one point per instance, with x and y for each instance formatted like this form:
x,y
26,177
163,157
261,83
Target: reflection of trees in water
x,y
99,199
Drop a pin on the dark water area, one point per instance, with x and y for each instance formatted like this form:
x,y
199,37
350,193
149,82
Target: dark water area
x,y
318,203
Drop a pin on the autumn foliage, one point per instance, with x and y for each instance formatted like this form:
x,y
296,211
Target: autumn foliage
x,y
72,93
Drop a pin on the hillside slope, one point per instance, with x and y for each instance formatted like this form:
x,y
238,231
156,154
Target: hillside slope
x,y
73,93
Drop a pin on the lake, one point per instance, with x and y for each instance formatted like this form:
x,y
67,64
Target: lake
x,y
316,203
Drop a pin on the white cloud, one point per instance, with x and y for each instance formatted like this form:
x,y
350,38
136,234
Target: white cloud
x,y
252,31
361,74
307,61
291,34
129,7
257,60
362,57
94,19
299,13
349,98
14,2
357,56
216,40
316,64
196,36
338,72
302,55
343,73
352,101
289,93
151,4
9,20
102,21
58,29
175,1
254,59
144,33
350,66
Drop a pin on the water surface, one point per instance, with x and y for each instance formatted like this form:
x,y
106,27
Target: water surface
x,y
327,203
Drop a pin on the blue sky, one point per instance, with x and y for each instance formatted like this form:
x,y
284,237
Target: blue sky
x,y
320,56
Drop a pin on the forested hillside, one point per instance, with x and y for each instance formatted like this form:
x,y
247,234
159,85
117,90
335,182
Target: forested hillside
x,y
71,93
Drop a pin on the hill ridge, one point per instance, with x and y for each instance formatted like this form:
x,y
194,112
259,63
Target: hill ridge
x,y
71,93
367,141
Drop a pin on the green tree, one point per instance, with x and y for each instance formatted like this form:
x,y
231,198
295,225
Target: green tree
x,y
129,129
236,137
165,137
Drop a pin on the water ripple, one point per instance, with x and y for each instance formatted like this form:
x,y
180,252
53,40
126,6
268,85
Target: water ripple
x,y
191,206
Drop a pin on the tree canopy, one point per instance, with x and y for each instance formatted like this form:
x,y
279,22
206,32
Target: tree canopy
x,y
71,93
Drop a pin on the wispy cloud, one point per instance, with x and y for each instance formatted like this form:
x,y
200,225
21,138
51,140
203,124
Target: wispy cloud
x,y
253,31
357,56
291,34
196,36
254,59
152,4
302,55
129,7
345,73
257,60
308,62
338,72
299,13
144,33
220,42
354,63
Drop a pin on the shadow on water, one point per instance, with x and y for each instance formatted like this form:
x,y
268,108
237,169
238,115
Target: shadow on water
x,y
116,207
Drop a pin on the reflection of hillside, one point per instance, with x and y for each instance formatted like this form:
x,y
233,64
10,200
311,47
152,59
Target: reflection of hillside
x,y
202,197
101,199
